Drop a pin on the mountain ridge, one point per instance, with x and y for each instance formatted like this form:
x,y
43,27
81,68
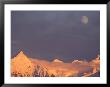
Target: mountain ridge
x,y
21,65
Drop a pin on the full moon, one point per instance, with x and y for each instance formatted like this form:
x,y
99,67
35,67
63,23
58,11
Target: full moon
x,y
84,19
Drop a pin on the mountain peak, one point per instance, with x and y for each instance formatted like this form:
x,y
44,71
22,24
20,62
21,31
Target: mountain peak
x,y
98,57
77,61
57,60
22,64
21,54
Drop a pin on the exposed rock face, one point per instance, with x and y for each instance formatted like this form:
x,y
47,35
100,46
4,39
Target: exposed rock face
x,y
21,65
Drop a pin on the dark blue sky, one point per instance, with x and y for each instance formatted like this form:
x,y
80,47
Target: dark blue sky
x,y
49,34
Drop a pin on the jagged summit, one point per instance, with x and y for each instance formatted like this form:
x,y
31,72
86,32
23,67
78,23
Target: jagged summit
x,y
21,56
57,60
98,57
76,61
20,53
22,64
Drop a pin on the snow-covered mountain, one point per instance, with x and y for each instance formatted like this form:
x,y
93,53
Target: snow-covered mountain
x,y
57,61
21,65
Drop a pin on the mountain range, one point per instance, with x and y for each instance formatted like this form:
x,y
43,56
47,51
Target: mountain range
x,y
23,66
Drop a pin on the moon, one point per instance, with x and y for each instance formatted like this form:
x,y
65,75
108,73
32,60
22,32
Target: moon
x,y
84,19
